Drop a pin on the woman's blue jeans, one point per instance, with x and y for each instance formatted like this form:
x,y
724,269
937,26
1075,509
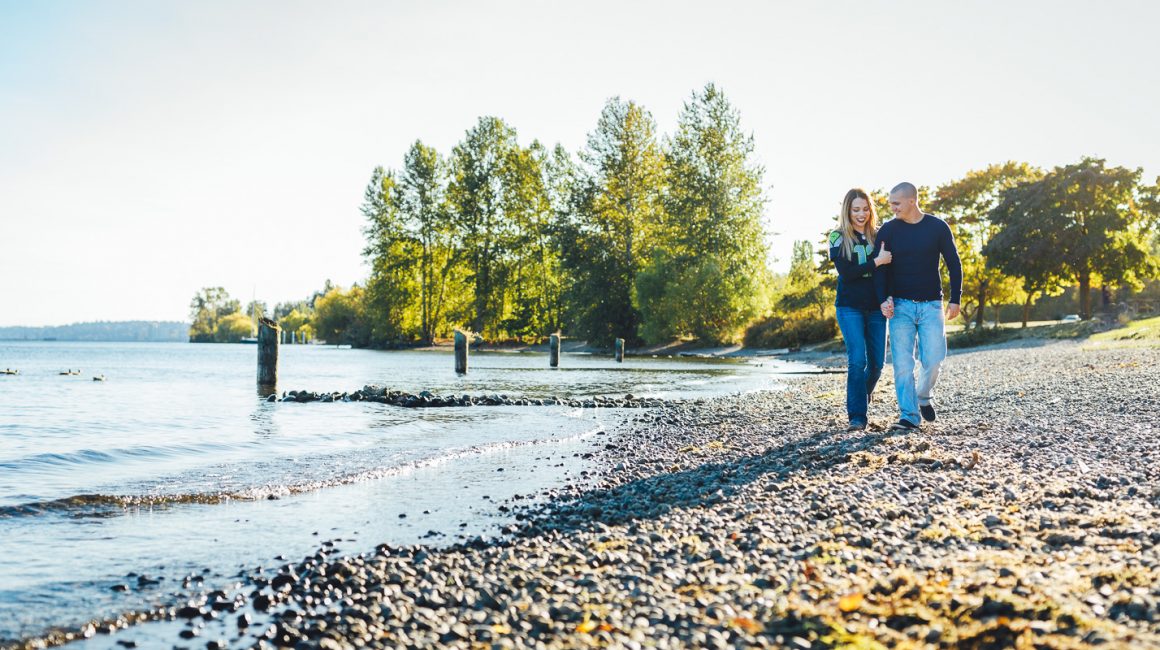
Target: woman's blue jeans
x,y
864,331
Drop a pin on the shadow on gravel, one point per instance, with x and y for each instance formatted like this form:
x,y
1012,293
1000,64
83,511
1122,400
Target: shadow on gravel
x,y
703,485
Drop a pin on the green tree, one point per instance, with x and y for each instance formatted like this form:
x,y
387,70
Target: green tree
x,y
476,194
208,307
806,289
562,179
616,209
294,321
966,204
232,328
533,289
713,230
339,317
420,196
1084,220
391,288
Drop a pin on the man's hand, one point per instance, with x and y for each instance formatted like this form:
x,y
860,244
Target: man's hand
x,y
952,310
884,256
888,308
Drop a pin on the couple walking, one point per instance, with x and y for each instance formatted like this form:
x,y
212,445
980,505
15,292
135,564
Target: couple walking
x,y
892,274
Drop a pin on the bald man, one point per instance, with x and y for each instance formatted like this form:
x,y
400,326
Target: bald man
x,y
910,293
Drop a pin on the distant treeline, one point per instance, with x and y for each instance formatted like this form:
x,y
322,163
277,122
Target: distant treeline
x,y
653,238
152,331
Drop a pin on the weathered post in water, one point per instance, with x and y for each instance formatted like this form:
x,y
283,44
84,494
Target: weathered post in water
x,y
620,350
268,332
461,352
554,350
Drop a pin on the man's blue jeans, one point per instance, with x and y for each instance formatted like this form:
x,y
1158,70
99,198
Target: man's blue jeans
x,y
864,331
917,326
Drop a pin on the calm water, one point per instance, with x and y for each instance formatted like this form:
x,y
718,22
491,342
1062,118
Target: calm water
x,y
173,466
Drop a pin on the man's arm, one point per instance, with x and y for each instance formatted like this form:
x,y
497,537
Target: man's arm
x,y
882,275
950,254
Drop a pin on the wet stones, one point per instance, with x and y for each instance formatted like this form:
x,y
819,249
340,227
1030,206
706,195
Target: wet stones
x,y
427,399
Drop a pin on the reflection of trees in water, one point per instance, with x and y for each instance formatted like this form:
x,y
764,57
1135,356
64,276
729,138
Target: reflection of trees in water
x,y
263,419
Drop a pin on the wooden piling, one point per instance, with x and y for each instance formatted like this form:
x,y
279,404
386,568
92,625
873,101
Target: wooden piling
x,y
554,350
268,332
620,350
461,347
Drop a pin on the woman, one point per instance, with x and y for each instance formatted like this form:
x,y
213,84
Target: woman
x,y
859,316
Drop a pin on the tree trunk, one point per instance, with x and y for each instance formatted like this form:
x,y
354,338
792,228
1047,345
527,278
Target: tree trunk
x,y
982,302
1027,308
1085,295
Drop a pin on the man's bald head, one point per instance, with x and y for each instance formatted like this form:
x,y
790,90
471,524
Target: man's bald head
x,y
907,190
904,202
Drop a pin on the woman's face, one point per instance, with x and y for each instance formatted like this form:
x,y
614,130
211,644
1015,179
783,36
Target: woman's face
x,y
859,213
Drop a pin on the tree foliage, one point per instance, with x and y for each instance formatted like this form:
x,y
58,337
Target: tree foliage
x,y
966,204
712,235
610,230
1077,223
207,309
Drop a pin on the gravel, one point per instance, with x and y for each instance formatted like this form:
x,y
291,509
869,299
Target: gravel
x,y
1027,514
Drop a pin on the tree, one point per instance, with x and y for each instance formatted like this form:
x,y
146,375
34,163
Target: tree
x,y
712,231
232,328
207,308
339,317
420,196
391,289
1083,221
293,321
476,196
533,287
805,289
966,204
616,211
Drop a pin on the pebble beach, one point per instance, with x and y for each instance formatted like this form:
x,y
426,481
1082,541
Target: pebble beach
x,y
1025,516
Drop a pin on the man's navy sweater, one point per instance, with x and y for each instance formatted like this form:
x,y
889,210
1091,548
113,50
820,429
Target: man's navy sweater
x,y
913,272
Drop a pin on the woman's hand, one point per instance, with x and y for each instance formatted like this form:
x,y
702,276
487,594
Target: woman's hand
x,y
884,256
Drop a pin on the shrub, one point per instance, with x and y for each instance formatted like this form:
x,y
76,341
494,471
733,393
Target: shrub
x,y
778,332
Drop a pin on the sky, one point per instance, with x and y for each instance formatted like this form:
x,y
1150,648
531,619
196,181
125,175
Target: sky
x,y
149,149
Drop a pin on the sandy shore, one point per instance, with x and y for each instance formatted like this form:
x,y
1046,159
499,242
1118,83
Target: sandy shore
x,y
1025,516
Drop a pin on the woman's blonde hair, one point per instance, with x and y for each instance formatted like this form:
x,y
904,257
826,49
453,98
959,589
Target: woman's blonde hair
x,y
846,225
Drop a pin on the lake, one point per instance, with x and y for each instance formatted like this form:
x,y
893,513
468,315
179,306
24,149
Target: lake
x,y
174,468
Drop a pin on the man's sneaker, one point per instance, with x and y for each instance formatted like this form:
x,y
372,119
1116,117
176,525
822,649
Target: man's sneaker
x,y
856,426
904,425
927,411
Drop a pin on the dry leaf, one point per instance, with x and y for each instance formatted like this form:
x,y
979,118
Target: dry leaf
x,y
850,602
586,627
745,623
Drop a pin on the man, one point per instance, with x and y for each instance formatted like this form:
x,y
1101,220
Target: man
x,y
910,293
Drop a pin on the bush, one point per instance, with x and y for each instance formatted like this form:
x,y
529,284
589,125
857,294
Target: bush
x,y
777,332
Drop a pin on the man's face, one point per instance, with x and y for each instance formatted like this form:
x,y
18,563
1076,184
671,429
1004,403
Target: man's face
x,y
900,203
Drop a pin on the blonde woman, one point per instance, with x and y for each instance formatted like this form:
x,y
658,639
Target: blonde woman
x,y
863,325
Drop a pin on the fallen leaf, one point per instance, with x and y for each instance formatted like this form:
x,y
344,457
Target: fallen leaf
x,y
586,627
850,602
745,623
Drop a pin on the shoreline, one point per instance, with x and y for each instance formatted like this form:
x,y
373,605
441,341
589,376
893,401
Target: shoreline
x,y
1028,511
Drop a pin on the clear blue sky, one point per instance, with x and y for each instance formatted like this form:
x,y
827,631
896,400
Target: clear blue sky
x,y
148,149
